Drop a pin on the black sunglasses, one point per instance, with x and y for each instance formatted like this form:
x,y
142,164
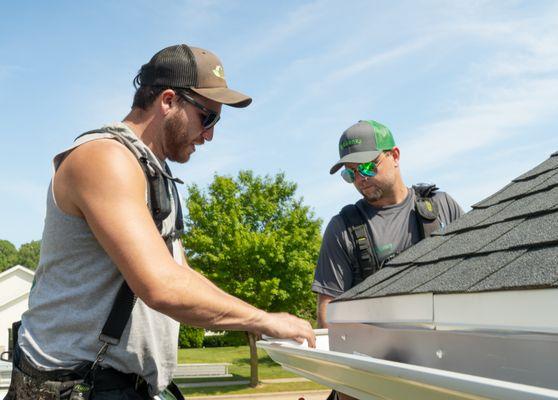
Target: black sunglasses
x,y
211,117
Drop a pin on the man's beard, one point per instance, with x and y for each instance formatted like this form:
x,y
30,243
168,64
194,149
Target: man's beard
x,y
373,195
175,139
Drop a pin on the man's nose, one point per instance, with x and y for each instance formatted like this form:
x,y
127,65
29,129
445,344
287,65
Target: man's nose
x,y
359,177
208,134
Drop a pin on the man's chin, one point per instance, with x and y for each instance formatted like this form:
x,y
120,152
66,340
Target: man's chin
x,y
372,194
180,158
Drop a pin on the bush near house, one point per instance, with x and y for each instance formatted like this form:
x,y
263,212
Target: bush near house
x,y
190,337
195,338
227,339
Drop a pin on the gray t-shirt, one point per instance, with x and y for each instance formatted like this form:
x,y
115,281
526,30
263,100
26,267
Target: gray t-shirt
x,y
394,229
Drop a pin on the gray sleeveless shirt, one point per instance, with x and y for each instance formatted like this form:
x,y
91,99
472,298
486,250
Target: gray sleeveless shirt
x,y
74,289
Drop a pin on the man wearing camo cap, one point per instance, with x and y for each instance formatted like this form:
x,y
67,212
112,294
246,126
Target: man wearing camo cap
x,y
112,283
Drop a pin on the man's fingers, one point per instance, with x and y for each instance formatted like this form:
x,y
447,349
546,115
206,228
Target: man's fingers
x,y
299,339
288,326
312,341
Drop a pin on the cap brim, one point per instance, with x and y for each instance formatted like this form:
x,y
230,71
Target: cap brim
x,y
358,158
224,95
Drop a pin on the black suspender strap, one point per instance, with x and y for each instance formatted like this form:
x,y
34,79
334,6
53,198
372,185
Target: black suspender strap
x,y
364,247
119,315
114,326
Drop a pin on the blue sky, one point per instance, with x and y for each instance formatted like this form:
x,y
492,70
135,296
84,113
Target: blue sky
x,y
469,89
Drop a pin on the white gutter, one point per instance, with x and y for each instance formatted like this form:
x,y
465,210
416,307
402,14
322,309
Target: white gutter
x,y
370,378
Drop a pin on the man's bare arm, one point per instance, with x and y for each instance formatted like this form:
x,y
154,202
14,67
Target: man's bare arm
x,y
323,301
104,183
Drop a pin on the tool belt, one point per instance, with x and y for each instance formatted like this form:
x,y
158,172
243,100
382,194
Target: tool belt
x,y
30,383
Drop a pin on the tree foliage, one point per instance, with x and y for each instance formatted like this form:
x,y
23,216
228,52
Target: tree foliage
x,y
252,238
8,255
28,254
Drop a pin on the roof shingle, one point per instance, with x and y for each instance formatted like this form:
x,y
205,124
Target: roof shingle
x,y
508,241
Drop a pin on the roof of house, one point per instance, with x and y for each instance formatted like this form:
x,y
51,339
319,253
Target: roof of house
x,y
16,269
508,241
15,284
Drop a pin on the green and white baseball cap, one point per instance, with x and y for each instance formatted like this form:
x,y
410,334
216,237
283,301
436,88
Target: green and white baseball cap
x,y
363,142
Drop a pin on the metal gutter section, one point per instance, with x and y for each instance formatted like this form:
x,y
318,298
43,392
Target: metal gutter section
x,y
521,357
414,309
371,378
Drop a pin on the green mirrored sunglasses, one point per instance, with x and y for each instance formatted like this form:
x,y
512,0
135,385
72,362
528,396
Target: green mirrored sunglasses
x,y
366,170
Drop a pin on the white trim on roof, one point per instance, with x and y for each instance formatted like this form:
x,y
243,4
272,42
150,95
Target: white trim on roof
x,y
515,310
14,269
415,309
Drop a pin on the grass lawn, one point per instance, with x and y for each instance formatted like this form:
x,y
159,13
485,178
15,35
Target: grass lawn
x,y
239,357
245,389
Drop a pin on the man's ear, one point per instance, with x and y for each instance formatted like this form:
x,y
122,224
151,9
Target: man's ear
x,y
166,100
396,154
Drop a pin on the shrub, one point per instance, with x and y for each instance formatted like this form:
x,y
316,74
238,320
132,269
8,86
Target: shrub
x,y
190,337
229,338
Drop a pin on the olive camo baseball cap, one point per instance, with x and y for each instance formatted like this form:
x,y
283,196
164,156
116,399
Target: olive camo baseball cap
x,y
185,67
363,142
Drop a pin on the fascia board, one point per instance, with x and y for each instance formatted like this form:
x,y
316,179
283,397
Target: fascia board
x,y
515,310
414,309
371,378
14,300
510,310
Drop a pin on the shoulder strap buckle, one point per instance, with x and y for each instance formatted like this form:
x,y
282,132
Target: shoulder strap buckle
x,y
427,210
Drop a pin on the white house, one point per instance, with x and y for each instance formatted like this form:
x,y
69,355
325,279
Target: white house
x,y
15,284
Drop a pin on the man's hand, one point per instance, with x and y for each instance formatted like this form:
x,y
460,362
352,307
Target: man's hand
x,y
287,326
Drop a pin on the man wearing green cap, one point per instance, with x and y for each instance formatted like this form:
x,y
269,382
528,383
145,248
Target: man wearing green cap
x,y
389,217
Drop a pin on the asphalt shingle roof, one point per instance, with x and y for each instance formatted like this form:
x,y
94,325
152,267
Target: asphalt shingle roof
x,y
507,241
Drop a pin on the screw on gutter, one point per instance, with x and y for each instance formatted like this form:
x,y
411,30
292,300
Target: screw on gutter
x,y
439,354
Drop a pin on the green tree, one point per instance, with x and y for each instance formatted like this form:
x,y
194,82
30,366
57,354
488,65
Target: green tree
x,y
255,240
28,254
8,255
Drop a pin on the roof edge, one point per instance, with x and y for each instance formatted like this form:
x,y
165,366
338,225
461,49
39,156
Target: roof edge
x,y
529,311
16,268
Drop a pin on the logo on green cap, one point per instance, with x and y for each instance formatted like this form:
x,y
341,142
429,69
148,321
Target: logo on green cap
x,y
349,142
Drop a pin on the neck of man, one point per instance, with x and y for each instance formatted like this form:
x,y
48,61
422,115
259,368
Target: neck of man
x,y
396,195
147,128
